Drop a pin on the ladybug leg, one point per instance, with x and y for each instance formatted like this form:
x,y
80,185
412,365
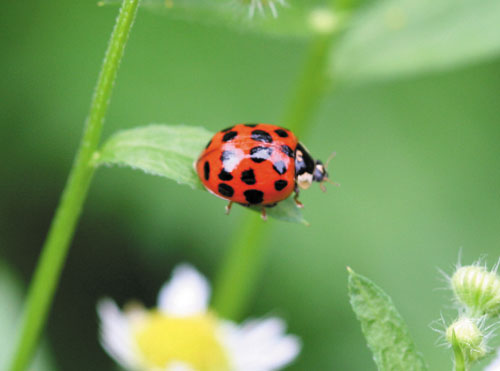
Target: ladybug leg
x,y
296,198
228,207
299,204
263,214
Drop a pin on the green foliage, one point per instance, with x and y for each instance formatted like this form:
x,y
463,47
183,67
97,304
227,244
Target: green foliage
x,y
170,151
380,39
411,150
55,248
404,37
383,327
293,20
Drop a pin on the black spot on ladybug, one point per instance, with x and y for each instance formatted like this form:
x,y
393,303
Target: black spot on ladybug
x,y
287,150
259,154
229,135
226,155
224,175
282,133
280,167
208,144
251,125
261,136
280,184
254,196
206,170
227,129
248,177
226,190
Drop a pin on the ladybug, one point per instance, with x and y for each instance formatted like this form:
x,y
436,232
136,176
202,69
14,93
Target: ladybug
x,y
257,164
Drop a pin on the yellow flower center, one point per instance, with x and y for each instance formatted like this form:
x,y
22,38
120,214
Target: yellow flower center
x,y
163,339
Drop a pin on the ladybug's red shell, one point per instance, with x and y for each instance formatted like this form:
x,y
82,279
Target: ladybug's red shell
x,y
250,164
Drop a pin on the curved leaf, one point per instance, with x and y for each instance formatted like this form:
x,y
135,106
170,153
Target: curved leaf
x,y
162,150
406,37
286,210
170,151
385,330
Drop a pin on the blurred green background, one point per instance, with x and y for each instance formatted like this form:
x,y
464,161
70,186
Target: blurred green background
x,y
418,160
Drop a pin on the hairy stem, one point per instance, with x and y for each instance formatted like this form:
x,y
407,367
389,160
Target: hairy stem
x,y
460,361
55,248
238,277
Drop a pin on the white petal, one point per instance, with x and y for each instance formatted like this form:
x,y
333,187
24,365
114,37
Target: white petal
x,y
187,293
251,9
116,336
260,345
260,7
179,366
273,9
495,365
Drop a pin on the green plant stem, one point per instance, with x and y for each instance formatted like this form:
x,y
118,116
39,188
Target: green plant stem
x,y
460,364
55,248
460,361
237,279
311,86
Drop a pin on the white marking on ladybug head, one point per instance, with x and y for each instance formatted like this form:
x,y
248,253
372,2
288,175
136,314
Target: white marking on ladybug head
x,y
319,172
305,180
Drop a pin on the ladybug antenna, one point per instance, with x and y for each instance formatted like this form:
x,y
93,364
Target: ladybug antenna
x,y
326,179
330,158
331,182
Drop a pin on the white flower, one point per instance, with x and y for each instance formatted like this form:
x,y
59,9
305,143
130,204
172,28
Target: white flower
x,y
183,335
261,4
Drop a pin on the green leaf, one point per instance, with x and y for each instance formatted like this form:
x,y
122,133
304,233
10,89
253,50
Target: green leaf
x,y
383,327
170,151
286,210
393,38
163,150
293,19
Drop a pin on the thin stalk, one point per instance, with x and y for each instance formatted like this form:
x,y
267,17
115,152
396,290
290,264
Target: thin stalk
x,y
460,361
56,246
237,279
311,87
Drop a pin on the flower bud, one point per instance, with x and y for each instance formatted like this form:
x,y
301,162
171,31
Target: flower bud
x,y
468,337
478,289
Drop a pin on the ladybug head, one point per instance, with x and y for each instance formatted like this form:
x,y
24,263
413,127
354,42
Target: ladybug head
x,y
308,170
319,174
